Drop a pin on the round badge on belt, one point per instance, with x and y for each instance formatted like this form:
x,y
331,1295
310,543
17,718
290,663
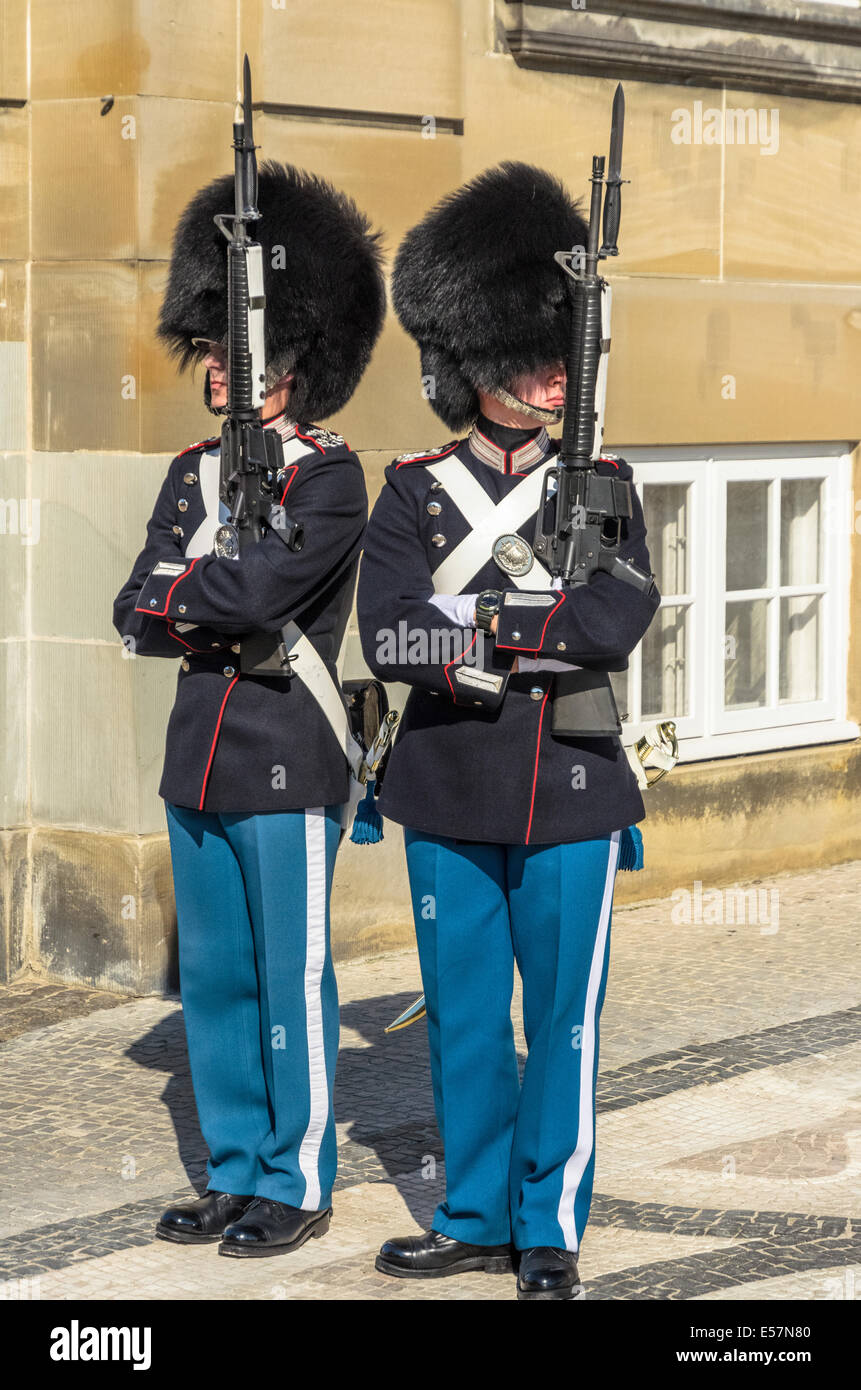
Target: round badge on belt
x,y
226,545
513,554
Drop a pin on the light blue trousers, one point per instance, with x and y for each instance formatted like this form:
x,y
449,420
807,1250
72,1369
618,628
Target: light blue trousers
x,y
259,995
519,1159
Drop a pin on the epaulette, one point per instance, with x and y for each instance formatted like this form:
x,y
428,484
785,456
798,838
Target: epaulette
x,y
201,444
320,438
428,454
609,458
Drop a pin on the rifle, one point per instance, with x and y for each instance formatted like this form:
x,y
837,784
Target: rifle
x,y
579,525
251,456
587,510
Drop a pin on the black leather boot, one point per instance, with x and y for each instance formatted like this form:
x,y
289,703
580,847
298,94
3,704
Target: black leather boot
x,y
546,1272
272,1228
196,1223
433,1256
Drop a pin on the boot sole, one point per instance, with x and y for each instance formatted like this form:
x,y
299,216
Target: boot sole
x,y
493,1264
180,1238
263,1251
576,1291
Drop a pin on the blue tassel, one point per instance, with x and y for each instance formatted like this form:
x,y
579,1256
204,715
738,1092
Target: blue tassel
x,y
368,823
631,849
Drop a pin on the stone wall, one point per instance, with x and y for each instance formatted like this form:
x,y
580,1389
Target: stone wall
x,y
112,113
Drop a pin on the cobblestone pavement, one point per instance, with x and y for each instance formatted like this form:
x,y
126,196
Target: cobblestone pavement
x,y
729,1129
30,1002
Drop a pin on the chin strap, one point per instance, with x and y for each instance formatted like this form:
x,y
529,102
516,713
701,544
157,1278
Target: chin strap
x,y
535,412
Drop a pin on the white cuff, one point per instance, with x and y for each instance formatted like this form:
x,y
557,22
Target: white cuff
x,y
459,608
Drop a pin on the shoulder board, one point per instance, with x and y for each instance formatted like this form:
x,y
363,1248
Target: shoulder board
x,y
427,456
609,458
320,438
201,444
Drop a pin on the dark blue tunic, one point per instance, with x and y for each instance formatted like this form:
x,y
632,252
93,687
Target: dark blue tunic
x,y
237,742
457,770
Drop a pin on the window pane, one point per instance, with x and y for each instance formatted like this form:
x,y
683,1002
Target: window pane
x,y
800,627
800,558
665,668
665,509
746,535
745,654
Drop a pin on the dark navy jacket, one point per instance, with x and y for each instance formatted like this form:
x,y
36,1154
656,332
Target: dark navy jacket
x,y
457,770
237,742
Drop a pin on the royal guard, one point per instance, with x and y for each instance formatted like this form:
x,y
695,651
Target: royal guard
x,y
257,764
509,777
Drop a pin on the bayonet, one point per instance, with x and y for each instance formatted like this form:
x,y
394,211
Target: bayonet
x,y
613,199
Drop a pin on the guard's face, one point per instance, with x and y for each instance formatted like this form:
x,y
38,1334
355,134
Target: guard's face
x,y
544,388
214,359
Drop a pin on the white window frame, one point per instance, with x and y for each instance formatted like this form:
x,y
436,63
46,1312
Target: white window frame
x,y
708,730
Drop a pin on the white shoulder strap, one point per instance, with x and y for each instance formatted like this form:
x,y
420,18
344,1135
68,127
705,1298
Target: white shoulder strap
x,y
488,520
312,671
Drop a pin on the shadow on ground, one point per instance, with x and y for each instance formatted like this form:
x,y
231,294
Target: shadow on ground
x,y
383,1101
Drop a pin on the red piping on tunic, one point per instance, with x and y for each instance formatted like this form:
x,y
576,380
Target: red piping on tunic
x,y
201,444
201,651
215,741
427,458
294,469
451,663
162,613
309,440
535,773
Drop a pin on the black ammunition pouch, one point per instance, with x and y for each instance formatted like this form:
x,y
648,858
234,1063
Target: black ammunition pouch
x,y
584,705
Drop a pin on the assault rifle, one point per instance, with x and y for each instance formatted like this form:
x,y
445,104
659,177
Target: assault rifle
x,y
579,524
586,510
251,455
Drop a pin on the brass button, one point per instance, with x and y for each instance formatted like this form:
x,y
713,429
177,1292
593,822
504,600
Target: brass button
x,y
184,664
189,478
434,508
181,608
436,486
536,693
229,671
235,647
153,602
515,636
178,531
438,540
182,504
560,646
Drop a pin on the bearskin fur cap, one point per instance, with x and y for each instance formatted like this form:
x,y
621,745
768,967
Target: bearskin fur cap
x,y
324,308
476,285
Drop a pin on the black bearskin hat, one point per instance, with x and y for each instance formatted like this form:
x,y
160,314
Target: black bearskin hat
x,y
476,285
325,293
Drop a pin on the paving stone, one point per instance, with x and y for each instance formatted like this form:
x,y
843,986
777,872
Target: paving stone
x,y
715,1044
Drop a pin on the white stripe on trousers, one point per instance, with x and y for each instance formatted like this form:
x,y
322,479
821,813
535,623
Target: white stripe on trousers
x,y
576,1165
315,957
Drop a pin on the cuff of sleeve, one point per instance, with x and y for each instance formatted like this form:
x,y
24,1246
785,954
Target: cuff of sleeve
x,y
158,597
524,618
